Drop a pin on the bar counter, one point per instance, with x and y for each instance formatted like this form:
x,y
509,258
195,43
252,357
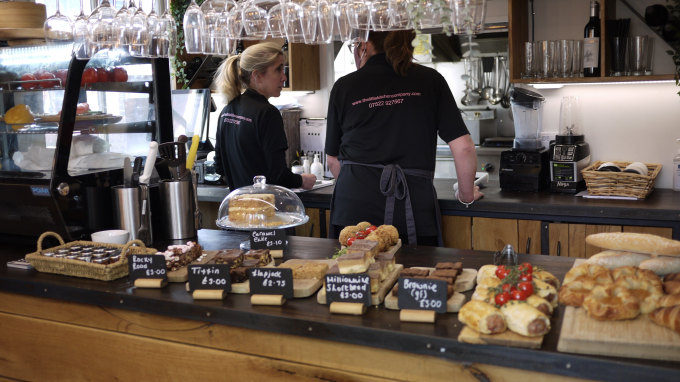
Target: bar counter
x,y
55,327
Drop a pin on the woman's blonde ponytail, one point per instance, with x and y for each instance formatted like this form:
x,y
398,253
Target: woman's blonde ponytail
x,y
228,80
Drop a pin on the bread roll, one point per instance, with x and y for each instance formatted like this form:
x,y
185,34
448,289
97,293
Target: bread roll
x,y
616,259
524,319
668,317
635,242
671,287
662,265
485,271
482,317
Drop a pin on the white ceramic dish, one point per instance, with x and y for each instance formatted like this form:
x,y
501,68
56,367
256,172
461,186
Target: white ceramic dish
x,y
114,236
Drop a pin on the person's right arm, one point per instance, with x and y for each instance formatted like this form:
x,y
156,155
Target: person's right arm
x,y
465,160
333,165
218,150
333,136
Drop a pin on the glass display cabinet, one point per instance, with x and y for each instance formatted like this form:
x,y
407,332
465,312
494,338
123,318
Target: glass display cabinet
x,y
66,126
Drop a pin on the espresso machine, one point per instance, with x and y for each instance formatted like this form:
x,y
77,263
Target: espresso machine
x,y
526,166
569,153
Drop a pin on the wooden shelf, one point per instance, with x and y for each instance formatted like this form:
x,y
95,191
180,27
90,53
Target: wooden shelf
x,y
518,34
304,67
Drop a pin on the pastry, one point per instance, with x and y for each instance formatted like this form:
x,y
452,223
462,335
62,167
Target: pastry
x,y
413,272
573,293
524,319
354,262
601,275
238,275
606,303
662,265
485,290
262,255
671,287
378,269
669,300
615,259
672,277
233,257
642,274
388,232
482,317
668,317
252,209
384,242
546,291
346,233
180,255
486,271
540,304
635,242
309,270
547,277
388,258
646,292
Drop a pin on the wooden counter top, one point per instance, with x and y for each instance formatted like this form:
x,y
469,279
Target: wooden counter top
x,y
378,328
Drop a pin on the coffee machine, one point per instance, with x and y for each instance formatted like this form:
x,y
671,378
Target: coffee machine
x,y
569,153
526,167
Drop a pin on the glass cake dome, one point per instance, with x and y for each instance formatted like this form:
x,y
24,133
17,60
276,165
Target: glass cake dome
x,y
261,205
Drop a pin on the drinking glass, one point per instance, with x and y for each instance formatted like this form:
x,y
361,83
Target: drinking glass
x,y
58,28
577,63
211,34
292,18
381,19
194,24
235,23
167,34
359,14
152,21
529,60
81,35
358,35
309,20
463,16
618,50
480,16
650,56
431,14
344,28
132,8
255,21
139,38
324,25
545,54
400,14
638,55
102,35
275,20
565,58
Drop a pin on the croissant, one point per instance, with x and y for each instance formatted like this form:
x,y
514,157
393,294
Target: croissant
x,y
601,275
672,277
669,300
668,317
671,287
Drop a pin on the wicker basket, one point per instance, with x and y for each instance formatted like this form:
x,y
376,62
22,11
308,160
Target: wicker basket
x,y
620,183
83,269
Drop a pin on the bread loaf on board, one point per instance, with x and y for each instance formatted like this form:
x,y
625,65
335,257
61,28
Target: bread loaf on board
x,y
635,242
662,265
616,259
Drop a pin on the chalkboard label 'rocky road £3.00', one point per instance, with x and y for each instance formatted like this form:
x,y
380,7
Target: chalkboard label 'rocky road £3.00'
x,y
147,267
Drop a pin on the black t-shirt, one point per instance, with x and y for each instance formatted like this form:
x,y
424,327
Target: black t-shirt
x,y
376,116
251,141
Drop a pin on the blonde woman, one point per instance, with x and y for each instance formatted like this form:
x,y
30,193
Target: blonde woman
x,y
250,136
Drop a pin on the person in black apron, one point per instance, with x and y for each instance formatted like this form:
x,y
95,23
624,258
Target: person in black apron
x,y
381,139
251,140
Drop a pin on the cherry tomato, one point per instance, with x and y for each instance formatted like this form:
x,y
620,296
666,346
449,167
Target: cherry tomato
x,y
350,241
502,298
89,77
361,234
39,72
508,288
28,77
526,268
504,273
47,84
527,287
119,75
61,74
370,229
519,295
526,277
500,270
102,75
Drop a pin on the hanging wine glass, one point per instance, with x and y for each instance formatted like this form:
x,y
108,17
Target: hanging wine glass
x,y
132,8
324,25
102,34
292,19
463,16
58,28
152,20
234,22
344,28
81,35
381,19
431,14
210,31
194,24
358,35
167,34
400,14
309,20
122,28
255,21
139,38
359,14
275,21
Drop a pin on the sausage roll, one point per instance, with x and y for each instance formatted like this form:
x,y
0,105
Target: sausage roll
x,y
546,291
541,304
524,319
482,317
485,271
548,278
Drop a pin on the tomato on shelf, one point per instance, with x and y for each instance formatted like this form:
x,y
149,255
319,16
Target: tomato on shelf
x,y
61,74
102,75
119,75
28,77
47,84
89,77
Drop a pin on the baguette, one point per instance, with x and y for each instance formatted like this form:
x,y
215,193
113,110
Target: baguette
x,y
635,242
668,317
662,265
616,259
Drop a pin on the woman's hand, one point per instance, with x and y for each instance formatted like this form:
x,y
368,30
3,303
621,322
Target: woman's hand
x,y
308,181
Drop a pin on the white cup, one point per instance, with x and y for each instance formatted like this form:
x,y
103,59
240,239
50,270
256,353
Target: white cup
x,y
298,169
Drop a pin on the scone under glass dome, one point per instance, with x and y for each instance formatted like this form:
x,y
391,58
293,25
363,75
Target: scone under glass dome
x,y
261,205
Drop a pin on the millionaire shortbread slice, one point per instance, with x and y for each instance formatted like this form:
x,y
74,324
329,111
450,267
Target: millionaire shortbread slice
x,y
388,258
361,245
354,262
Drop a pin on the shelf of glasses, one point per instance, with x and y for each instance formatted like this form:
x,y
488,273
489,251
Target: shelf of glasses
x,y
588,80
53,128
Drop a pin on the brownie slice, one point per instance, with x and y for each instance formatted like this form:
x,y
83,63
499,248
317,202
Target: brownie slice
x,y
410,272
445,273
262,255
449,291
250,263
233,257
457,266
449,280
238,275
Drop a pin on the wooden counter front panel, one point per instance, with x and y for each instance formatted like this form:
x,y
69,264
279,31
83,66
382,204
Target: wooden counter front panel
x,y
457,231
493,234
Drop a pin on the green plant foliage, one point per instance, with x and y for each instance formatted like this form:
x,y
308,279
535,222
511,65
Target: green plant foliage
x,y
674,20
178,8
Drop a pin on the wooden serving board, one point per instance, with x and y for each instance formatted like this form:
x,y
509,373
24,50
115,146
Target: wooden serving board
x,y
306,287
182,275
507,338
638,338
465,282
378,297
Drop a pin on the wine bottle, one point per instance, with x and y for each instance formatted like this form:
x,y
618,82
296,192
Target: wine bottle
x,y
239,47
284,48
591,43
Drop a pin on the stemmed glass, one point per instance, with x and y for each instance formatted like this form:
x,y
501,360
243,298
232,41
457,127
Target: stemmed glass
x,y
324,24
255,21
194,24
234,22
102,34
359,14
132,8
344,28
381,13
292,19
309,20
58,28
167,34
211,33
81,38
152,32
139,37
400,15
275,20
121,27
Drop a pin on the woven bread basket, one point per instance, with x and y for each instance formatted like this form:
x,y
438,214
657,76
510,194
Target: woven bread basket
x,y
620,183
79,268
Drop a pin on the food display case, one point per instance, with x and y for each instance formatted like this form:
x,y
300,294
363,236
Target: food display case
x,y
66,126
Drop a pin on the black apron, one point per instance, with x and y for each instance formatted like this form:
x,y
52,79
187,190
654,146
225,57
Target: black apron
x,y
393,185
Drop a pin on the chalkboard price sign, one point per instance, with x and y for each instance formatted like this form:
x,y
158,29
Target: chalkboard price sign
x,y
348,288
422,294
147,267
268,239
278,281
209,276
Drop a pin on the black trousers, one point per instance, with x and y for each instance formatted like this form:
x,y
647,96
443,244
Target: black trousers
x,y
428,241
